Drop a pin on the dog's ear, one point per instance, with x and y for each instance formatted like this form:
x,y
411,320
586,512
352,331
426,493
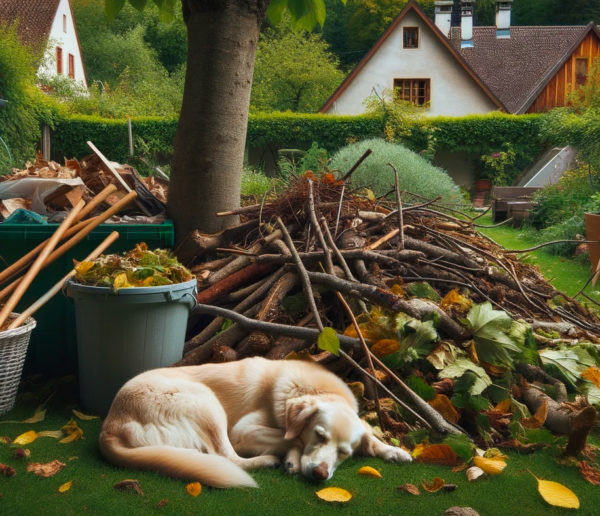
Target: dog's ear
x,y
297,413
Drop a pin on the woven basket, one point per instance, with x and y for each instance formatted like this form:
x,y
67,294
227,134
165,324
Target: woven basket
x,y
13,348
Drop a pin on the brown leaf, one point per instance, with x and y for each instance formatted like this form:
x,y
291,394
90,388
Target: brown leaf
x,y
538,419
409,488
517,445
48,469
385,347
21,453
438,454
504,406
129,484
7,471
592,374
163,503
590,472
435,485
444,406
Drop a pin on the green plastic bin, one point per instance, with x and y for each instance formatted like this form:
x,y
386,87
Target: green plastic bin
x,y
53,348
125,332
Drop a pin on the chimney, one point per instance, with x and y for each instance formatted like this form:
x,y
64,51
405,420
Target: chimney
x,y
503,8
443,15
466,23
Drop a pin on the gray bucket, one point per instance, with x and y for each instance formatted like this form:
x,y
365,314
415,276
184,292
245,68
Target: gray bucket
x,y
121,334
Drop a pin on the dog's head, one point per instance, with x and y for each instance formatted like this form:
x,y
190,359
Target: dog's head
x,y
328,431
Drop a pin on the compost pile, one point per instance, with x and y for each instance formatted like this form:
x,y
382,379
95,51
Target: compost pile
x,y
463,337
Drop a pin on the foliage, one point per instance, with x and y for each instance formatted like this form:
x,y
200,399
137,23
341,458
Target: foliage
x,y
416,174
293,71
255,183
314,158
587,96
497,165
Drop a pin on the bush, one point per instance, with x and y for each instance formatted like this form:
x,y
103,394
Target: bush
x,y
416,174
255,184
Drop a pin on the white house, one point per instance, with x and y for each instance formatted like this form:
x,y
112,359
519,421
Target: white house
x,y
49,25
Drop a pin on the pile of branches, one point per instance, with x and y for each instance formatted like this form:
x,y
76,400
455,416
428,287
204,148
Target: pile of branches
x,y
390,292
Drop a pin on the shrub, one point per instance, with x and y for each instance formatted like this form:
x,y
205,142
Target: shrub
x,y
255,184
416,174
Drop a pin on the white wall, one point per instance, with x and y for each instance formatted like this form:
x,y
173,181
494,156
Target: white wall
x,y
453,92
67,41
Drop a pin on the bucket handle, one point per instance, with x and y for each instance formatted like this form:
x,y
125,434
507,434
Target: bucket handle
x,y
178,297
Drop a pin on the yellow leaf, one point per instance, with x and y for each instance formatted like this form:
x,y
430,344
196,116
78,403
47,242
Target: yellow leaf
x,y
370,194
435,485
56,434
397,289
149,281
444,406
418,450
453,298
556,494
368,471
121,281
194,488
334,494
83,267
65,487
504,405
438,454
539,418
491,466
592,374
26,438
83,416
385,347
73,436
38,415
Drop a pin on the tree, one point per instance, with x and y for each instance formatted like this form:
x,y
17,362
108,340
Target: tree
x,y
294,71
210,141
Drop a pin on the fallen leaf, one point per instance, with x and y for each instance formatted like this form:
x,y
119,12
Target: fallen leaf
x,y
458,468
409,488
26,438
494,453
435,485
444,406
517,445
453,298
334,494
504,405
491,466
5,439
129,484
56,434
21,453
538,419
38,415
473,473
65,487
46,469
368,471
385,347
556,494
83,416
194,488
592,374
589,472
163,503
7,471
73,432
438,454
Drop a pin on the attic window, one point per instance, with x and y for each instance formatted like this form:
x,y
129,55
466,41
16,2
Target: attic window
x,y
416,91
64,23
410,37
581,70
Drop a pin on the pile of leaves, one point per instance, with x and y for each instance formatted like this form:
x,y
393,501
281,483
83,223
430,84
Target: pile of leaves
x,y
139,267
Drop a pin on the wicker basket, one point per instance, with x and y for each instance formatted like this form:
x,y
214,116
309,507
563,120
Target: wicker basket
x,y
13,348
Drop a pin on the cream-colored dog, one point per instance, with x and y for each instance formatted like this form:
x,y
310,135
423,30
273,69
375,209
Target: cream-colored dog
x,y
211,422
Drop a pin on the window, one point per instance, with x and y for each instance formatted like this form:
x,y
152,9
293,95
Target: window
x,y
417,91
581,70
59,63
64,23
71,66
411,37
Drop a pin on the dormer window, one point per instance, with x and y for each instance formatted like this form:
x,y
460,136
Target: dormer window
x,y
410,37
64,23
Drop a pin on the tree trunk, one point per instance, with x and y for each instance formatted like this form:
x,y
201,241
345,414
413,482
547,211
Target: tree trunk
x,y
211,135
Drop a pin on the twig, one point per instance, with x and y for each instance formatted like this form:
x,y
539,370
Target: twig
x,y
514,251
493,225
399,203
339,212
313,218
356,165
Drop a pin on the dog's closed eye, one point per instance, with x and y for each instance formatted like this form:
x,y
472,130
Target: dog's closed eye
x,y
344,451
322,434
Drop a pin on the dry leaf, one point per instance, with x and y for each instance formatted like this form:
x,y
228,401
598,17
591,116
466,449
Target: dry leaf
x,y
21,453
538,419
368,471
494,453
458,468
7,471
473,473
438,454
73,432
435,485
26,438
129,484
504,406
5,439
65,487
409,488
163,503
444,406
385,347
83,416
47,469
194,488
38,415
334,494
556,494
589,472
56,434
453,298
491,466
592,374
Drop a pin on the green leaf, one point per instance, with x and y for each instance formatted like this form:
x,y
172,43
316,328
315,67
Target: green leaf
x,y
328,341
567,363
112,8
421,387
463,365
522,335
420,336
461,444
275,11
423,290
479,403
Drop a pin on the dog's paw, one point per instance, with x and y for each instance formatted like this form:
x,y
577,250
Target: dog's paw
x,y
395,454
292,462
270,461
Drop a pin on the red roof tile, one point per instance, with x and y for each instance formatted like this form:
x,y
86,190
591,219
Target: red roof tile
x,y
34,17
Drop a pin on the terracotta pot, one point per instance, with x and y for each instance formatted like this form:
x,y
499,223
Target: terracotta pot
x,y
483,185
592,231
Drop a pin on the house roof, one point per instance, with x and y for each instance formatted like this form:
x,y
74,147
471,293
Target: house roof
x,y
34,17
414,7
518,68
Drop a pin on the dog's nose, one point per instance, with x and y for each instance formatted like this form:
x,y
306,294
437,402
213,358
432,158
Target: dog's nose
x,y
320,472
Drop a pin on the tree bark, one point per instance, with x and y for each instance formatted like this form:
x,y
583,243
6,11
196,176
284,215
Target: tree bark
x,y
211,135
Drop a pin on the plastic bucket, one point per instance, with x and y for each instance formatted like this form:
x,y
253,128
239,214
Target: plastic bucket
x,y
122,333
13,348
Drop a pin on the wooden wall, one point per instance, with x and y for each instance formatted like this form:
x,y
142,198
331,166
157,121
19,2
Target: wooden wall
x,y
558,89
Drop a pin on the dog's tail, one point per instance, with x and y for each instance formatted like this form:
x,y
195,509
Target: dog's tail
x,y
212,470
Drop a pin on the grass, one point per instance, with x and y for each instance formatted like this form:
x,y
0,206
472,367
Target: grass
x,y
514,491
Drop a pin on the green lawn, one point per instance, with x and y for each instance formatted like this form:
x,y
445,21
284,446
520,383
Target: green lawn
x,y
514,491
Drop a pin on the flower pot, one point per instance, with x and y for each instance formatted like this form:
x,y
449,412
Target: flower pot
x,y
483,185
592,231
